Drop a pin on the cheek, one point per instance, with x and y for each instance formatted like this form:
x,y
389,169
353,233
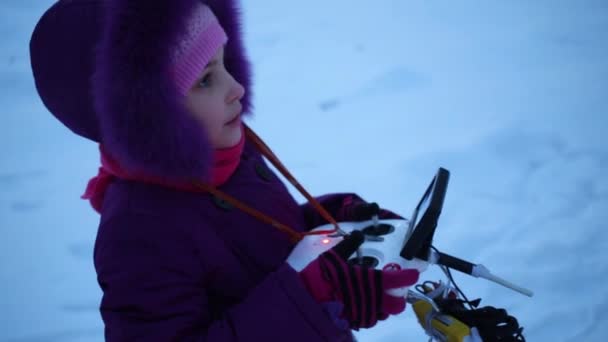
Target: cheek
x,y
209,116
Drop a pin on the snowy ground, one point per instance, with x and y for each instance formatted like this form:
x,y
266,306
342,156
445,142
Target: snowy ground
x,y
370,97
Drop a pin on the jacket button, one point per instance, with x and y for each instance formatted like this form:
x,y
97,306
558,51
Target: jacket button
x,y
263,172
222,203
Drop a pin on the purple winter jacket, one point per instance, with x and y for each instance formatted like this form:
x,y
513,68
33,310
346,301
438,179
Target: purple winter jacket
x,y
173,266
188,267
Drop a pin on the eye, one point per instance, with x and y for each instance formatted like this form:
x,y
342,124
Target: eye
x,y
205,82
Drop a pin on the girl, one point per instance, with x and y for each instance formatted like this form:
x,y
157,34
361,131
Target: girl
x,y
195,228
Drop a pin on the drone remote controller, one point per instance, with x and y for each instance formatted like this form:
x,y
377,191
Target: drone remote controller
x,y
397,244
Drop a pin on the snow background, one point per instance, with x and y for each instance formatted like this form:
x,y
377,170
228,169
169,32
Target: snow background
x,y
370,97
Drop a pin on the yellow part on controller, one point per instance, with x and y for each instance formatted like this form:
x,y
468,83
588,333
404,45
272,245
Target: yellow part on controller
x,y
448,328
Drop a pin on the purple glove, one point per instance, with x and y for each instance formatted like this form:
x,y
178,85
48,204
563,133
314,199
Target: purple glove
x,y
355,208
362,290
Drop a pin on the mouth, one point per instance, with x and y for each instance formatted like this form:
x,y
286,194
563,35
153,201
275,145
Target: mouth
x,y
234,120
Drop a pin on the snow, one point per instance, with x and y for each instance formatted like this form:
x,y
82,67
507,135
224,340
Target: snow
x,y
370,97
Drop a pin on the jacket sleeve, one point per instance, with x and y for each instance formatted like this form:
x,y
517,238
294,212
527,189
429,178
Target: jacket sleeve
x,y
153,284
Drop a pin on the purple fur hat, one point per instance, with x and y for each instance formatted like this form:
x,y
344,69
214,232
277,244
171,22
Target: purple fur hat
x,y
100,67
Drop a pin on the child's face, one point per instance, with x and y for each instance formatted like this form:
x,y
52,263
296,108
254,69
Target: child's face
x,y
215,101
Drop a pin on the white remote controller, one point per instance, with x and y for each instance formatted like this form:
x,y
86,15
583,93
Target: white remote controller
x,y
384,240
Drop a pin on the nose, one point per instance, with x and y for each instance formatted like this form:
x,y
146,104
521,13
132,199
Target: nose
x,y
237,91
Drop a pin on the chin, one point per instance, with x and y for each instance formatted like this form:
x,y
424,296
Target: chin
x,y
230,138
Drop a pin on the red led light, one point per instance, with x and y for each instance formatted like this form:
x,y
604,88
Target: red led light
x,y
325,241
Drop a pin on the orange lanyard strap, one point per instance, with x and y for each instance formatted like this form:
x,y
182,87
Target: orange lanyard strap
x,y
267,152
294,236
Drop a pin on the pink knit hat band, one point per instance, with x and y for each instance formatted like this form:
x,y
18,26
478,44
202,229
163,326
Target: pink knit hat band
x,y
203,38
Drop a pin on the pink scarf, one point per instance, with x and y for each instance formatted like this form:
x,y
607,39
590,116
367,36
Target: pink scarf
x,y
225,162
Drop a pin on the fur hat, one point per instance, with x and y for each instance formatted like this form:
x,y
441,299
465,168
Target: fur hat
x,y
106,70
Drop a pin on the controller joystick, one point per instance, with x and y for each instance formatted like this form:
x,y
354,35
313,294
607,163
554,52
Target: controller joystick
x,y
378,230
364,261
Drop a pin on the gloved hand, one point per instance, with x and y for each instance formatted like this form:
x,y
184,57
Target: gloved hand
x,y
362,290
355,208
